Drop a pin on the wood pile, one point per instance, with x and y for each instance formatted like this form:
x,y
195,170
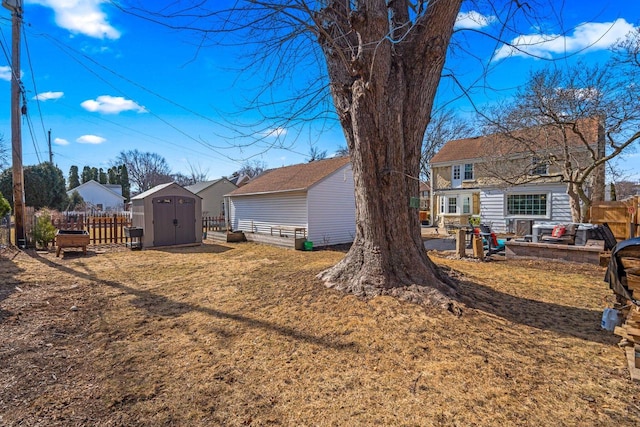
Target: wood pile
x,y
630,328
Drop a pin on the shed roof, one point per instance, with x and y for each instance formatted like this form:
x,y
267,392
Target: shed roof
x,y
159,187
298,177
505,144
199,186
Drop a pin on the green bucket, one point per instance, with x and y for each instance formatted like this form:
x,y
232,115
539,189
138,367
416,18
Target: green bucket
x,y
308,245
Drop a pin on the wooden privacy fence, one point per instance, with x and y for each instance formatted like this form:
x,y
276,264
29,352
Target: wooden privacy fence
x,y
622,217
102,230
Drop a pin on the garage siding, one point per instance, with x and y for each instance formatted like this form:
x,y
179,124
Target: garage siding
x,y
258,213
332,209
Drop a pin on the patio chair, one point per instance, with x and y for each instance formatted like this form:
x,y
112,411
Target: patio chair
x,y
491,243
562,234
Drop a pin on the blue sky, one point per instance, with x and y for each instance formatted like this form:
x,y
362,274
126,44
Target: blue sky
x,y
103,81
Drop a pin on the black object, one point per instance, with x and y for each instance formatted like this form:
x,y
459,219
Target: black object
x,y
603,232
616,276
135,234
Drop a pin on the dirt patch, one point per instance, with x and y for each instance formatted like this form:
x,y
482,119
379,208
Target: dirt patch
x,y
242,334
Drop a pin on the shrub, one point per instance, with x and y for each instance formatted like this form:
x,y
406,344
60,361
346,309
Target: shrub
x,y
5,207
44,232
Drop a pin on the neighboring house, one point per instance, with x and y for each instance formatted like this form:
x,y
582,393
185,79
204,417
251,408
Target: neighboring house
x,y
212,194
239,179
104,197
318,196
465,183
425,196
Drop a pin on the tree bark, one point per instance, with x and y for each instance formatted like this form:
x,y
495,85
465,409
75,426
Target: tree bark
x,y
384,98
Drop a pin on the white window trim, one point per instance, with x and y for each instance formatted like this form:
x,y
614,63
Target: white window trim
x,y
444,204
464,171
453,173
524,193
539,163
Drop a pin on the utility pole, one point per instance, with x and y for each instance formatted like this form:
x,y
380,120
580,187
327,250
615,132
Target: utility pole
x,y
50,152
15,6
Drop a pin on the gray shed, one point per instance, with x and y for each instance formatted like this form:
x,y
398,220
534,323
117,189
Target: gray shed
x,y
169,215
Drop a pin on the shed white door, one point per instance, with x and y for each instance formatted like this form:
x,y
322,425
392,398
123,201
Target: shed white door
x,y
174,220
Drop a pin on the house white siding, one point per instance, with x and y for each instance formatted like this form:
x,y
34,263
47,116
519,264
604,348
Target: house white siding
x,y
492,209
258,213
99,196
493,204
332,209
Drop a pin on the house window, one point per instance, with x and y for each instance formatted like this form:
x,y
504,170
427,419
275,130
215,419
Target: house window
x,y
466,204
527,204
452,205
456,172
468,171
538,167
443,200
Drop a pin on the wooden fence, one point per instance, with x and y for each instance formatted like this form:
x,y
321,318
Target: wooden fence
x,y
622,217
214,223
102,230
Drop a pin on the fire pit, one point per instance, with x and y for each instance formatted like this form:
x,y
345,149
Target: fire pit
x,y
71,239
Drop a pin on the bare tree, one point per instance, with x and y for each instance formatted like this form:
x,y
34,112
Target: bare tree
x,y
343,150
316,154
383,62
444,126
197,174
252,168
621,184
145,170
571,122
5,153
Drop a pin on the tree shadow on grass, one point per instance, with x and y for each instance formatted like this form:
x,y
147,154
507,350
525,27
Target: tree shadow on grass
x,y
204,248
8,281
162,306
562,319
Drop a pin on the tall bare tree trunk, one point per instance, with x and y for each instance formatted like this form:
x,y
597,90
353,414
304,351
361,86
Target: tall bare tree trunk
x,y
384,97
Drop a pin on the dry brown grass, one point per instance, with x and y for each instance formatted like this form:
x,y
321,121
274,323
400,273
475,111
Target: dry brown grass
x,y
243,334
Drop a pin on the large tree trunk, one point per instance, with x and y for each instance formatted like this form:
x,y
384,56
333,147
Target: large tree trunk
x,y
384,100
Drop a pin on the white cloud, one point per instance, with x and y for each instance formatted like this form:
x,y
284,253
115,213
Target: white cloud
x,y
111,105
81,16
276,132
91,139
473,20
586,36
45,96
60,141
5,73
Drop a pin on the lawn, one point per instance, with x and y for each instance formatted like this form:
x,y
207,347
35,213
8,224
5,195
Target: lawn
x,y
243,334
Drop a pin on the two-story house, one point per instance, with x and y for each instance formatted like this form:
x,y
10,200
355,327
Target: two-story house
x,y
511,181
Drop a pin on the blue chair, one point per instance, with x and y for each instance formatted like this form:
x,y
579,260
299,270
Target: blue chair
x,y
491,243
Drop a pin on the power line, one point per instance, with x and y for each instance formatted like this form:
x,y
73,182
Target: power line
x,y
33,80
66,49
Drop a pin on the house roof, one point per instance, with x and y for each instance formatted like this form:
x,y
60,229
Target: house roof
x,y
240,179
199,186
94,183
539,137
161,187
298,177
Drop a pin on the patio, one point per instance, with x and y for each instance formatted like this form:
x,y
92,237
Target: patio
x,y
589,253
